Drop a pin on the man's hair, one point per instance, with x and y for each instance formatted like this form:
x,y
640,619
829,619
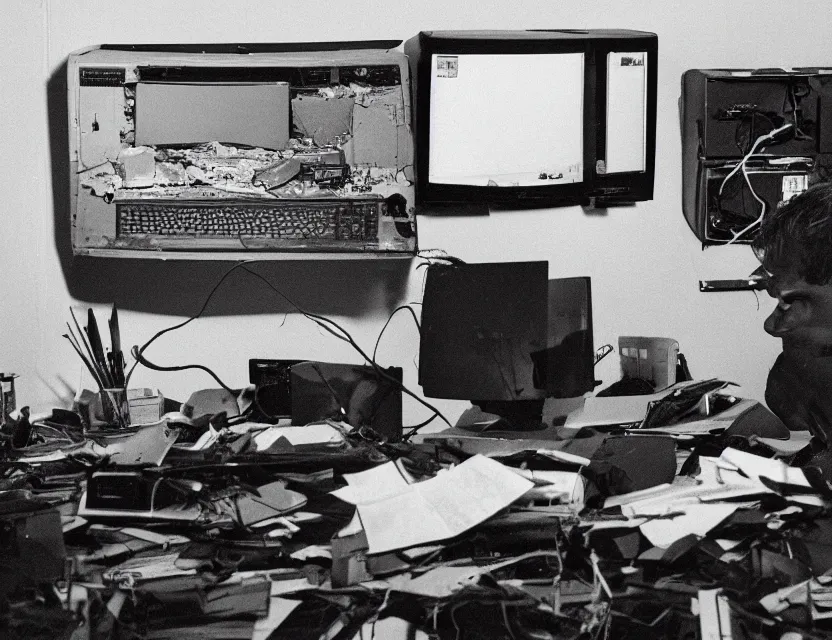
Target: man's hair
x,y
800,233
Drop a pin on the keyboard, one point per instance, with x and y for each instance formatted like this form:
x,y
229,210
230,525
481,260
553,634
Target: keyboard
x,y
348,220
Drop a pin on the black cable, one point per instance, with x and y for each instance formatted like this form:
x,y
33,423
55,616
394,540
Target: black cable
x,y
411,431
330,326
325,323
407,306
389,318
138,352
155,367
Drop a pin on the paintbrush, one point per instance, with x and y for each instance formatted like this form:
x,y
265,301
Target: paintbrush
x,y
73,341
81,339
115,342
97,348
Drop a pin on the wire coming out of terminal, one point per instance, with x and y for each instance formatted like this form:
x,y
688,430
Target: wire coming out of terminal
x,y
325,323
760,142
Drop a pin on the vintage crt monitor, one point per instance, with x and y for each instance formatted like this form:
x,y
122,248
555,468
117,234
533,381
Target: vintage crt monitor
x,y
724,113
543,117
506,337
190,150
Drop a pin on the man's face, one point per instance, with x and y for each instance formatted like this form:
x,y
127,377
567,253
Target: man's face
x,y
797,390
803,315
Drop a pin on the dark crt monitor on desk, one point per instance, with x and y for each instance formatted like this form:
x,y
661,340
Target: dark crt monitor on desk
x,y
505,337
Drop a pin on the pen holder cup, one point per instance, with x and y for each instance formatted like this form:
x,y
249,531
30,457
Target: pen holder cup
x,y
116,408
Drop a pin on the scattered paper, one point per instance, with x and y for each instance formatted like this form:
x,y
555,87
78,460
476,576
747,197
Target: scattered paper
x,y
563,456
205,441
147,444
442,507
137,570
817,592
610,410
566,487
274,500
757,467
714,615
317,433
440,582
698,519
377,483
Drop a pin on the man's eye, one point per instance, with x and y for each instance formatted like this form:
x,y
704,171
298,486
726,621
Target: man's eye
x,y
787,301
783,305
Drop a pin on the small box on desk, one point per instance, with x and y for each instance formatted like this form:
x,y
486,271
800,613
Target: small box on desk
x,y
146,405
351,564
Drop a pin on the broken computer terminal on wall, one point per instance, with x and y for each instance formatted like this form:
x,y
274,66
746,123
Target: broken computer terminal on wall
x,y
179,150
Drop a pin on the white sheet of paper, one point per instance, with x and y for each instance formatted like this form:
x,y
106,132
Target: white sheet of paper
x,y
138,570
714,615
635,496
698,519
380,482
149,444
757,467
439,582
563,456
611,410
567,486
318,433
442,507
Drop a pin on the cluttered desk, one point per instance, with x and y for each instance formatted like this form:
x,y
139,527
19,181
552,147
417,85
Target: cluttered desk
x,y
299,507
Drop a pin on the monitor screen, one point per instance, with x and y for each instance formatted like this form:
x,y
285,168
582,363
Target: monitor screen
x,y
503,332
480,325
506,120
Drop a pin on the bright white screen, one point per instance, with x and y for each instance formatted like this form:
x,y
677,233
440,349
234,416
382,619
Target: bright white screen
x,y
626,111
506,119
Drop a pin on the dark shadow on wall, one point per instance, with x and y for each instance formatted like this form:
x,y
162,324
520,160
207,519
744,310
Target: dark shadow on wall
x,y
339,287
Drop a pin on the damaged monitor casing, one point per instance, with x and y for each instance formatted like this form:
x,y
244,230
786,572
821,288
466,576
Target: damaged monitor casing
x,y
206,151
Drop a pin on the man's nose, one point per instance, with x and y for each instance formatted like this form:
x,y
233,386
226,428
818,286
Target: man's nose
x,y
774,324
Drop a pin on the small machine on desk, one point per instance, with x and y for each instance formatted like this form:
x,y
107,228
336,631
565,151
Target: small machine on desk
x,y
308,391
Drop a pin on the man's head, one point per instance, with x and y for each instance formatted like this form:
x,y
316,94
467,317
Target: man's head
x,y
795,247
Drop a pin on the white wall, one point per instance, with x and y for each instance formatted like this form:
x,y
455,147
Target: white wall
x,y
644,262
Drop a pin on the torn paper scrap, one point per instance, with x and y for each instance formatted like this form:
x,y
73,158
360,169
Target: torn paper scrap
x,y
147,444
320,433
696,519
380,482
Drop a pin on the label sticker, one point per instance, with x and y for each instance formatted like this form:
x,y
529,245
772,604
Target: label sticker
x,y
793,185
447,66
632,59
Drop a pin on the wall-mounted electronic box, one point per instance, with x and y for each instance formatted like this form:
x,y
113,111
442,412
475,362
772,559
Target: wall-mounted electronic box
x,y
751,139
